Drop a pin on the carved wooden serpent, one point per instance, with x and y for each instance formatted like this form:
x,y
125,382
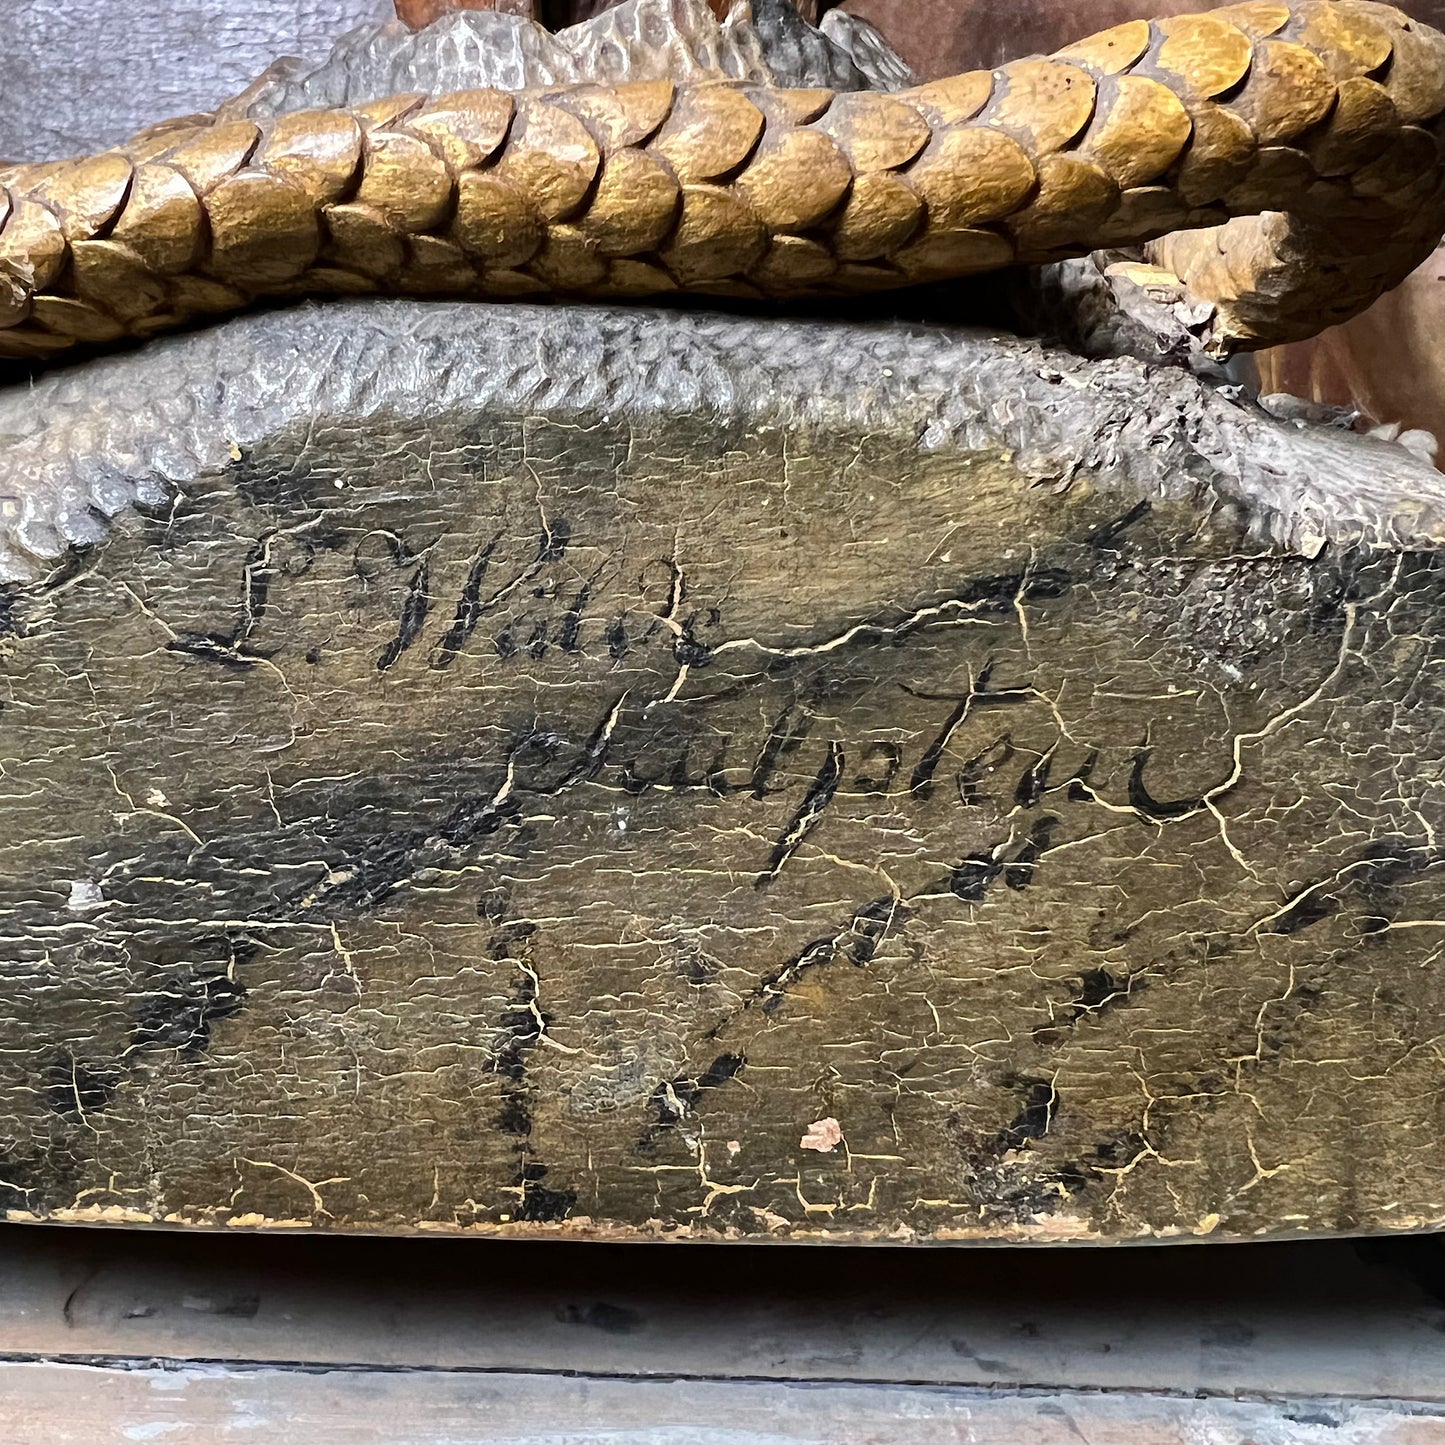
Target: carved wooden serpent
x,y
1328,114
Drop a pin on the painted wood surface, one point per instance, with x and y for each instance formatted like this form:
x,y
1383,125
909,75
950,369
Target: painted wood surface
x,y
101,1405
541,797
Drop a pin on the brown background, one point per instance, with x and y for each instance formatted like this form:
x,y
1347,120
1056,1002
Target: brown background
x,y
1388,363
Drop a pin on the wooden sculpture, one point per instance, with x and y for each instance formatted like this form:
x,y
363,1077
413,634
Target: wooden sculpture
x,y
712,770
1325,113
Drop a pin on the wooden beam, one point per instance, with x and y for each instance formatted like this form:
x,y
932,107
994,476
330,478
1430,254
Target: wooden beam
x,y
74,1404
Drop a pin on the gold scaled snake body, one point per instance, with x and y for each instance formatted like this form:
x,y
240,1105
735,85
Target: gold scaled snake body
x,y
1319,124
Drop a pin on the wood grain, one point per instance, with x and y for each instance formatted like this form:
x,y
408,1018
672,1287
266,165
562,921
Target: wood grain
x,y
95,1405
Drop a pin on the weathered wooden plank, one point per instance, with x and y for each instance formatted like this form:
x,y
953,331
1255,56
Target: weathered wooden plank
x,y
97,1405
522,770
114,1336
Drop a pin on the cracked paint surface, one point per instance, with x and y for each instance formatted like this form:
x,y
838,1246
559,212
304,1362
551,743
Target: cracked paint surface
x,y
518,820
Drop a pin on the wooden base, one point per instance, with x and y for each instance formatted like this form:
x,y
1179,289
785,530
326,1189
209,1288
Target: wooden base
x,y
621,775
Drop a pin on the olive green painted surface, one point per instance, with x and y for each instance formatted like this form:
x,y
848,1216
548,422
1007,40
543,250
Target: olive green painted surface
x,y
519,823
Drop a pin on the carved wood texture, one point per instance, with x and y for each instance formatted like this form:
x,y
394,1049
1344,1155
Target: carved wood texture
x,y
1328,111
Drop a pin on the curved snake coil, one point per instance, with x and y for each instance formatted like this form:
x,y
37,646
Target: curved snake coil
x,y
1329,115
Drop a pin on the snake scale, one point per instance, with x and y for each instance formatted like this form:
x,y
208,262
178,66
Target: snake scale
x,y
1282,161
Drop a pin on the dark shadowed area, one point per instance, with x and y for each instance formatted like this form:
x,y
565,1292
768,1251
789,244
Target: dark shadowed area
x,y
111,1338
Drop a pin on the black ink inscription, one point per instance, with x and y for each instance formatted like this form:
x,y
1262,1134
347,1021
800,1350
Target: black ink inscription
x,y
182,1015
536,765
1099,992
469,610
1019,872
1033,782
1141,800
680,1098
616,637
1103,537
982,765
891,756
784,738
413,618
472,606
521,1029
920,785
979,696
275,556
1035,1119
542,1204
1371,881
971,878
859,940
819,796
